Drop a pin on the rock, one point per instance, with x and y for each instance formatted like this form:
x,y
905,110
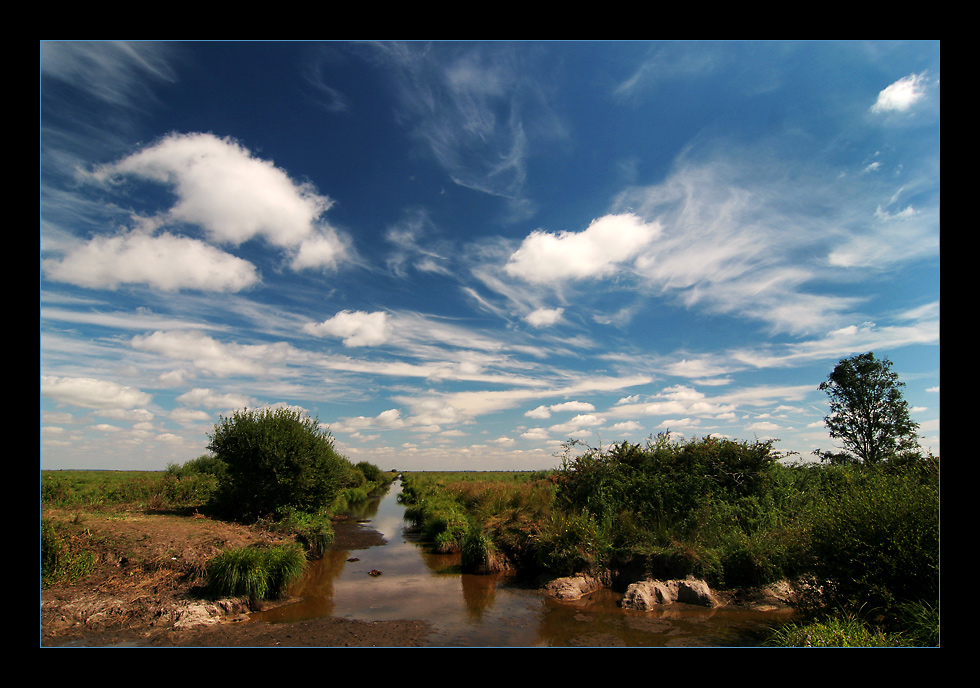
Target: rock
x,y
646,595
572,587
692,591
650,594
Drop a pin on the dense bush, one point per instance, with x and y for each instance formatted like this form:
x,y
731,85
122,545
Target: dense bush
x,y
202,465
874,541
708,506
277,461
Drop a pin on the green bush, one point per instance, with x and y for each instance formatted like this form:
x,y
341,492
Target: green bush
x,y
202,465
875,543
276,460
371,472
572,543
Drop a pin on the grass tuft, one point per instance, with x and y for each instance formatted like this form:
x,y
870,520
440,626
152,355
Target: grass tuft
x,y
255,572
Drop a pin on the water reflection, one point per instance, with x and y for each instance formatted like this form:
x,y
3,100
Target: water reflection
x,y
487,610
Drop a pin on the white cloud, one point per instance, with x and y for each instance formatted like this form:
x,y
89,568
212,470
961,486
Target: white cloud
x,y
544,317
901,95
355,328
164,262
626,426
234,196
113,71
473,106
597,251
577,424
208,398
539,412
386,420
212,356
748,234
546,411
92,393
572,406
535,434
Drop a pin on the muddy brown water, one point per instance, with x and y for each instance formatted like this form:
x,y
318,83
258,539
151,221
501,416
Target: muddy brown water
x,y
403,579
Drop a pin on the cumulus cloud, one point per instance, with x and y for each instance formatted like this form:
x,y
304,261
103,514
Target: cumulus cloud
x,y
92,393
165,262
546,411
597,251
386,420
221,187
544,317
577,424
901,95
355,328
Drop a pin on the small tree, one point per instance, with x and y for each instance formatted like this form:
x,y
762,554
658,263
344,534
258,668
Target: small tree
x,y
867,411
277,461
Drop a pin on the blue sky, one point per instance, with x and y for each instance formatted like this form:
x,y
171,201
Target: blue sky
x,y
458,255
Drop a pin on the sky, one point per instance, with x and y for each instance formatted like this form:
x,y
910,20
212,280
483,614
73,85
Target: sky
x,y
462,255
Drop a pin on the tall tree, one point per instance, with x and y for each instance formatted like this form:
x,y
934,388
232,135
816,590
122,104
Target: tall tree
x,y
867,410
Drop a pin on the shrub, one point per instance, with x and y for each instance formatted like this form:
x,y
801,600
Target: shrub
x,y
572,543
276,460
876,542
202,465
371,472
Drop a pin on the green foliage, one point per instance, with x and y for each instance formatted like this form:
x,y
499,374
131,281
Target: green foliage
x,y
571,543
920,621
370,472
202,465
836,631
711,503
276,460
255,572
154,489
867,411
874,541
730,512
313,530
63,556
496,512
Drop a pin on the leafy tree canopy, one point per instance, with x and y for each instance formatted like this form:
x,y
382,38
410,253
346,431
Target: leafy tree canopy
x,y
276,461
867,411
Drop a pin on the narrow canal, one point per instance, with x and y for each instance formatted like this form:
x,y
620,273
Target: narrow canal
x,y
402,579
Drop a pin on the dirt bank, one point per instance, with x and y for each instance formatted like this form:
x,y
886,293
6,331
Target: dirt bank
x,y
145,590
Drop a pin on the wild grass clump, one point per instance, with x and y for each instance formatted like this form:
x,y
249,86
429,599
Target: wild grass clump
x,y
843,631
64,558
255,572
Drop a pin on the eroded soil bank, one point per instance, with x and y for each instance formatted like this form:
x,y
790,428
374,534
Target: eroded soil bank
x,y
143,591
